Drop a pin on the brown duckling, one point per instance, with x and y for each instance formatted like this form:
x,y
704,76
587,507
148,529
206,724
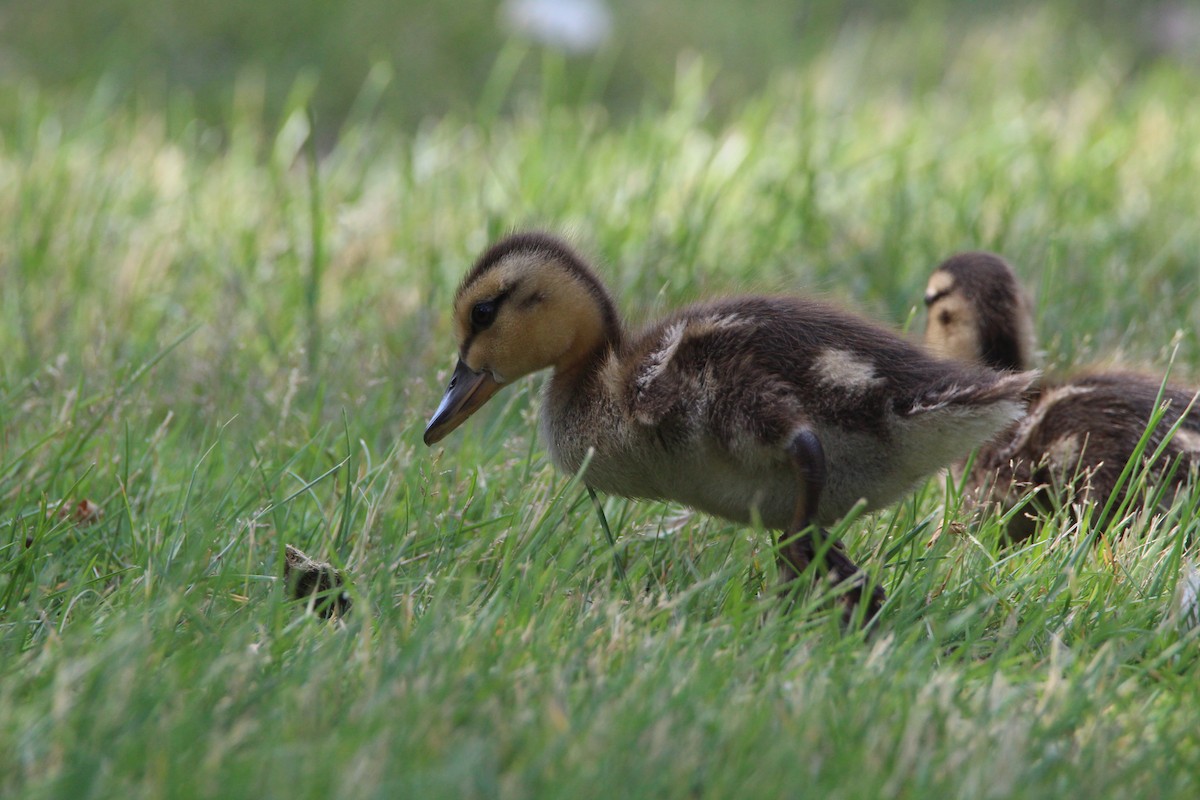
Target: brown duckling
x,y
780,409
315,582
1079,432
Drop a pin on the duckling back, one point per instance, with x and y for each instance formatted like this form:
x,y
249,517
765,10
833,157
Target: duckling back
x,y
1077,439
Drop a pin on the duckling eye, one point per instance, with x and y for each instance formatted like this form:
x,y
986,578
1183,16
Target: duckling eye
x,y
945,318
483,314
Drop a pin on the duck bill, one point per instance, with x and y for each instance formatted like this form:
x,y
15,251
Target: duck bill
x,y
468,390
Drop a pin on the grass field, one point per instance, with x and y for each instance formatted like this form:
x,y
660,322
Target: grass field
x,y
230,341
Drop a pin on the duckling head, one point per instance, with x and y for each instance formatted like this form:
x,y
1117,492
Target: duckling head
x,y
977,312
529,303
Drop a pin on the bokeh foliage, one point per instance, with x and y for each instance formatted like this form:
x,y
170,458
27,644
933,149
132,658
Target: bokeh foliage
x,y
229,339
441,58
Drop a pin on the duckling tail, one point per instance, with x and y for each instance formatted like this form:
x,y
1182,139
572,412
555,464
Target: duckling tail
x,y
1006,387
944,423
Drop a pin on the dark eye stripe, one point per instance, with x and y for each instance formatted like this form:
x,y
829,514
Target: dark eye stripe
x,y
930,299
476,326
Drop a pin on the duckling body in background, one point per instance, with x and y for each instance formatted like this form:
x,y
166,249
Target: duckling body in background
x,y
1079,432
780,409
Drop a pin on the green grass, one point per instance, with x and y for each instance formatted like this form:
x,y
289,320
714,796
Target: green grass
x,y
164,288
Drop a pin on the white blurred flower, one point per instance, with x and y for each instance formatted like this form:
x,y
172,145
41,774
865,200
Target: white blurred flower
x,y
576,26
1173,28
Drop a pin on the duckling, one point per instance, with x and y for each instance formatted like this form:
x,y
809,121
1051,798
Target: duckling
x,y
1080,432
314,581
783,410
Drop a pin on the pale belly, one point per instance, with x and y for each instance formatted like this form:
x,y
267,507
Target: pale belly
x,y
763,486
702,475
698,480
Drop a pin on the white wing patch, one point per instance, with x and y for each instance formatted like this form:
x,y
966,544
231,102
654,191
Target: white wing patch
x,y
1065,451
657,361
845,370
1186,440
714,322
676,334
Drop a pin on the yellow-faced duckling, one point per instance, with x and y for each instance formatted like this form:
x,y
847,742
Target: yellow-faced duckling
x,y
780,409
1079,432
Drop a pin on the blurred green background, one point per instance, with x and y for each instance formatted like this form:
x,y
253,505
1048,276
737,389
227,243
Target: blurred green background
x,y
431,58
229,339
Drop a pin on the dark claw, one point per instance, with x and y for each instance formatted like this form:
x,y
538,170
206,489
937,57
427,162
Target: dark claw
x,y
799,553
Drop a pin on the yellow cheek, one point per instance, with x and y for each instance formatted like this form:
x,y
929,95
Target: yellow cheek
x,y
479,355
535,351
509,356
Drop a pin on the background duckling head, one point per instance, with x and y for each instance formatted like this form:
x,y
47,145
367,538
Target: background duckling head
x,y
530,302
977,312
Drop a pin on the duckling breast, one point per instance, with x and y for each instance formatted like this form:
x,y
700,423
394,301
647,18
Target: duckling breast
x,y
584,424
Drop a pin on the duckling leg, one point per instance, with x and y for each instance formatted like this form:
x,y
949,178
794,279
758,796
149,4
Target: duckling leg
x,y
804,542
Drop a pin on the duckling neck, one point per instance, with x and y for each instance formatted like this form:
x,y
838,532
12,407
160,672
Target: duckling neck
x,y
1008,350
597,331
580,405
1006,339
588,353
1000,363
